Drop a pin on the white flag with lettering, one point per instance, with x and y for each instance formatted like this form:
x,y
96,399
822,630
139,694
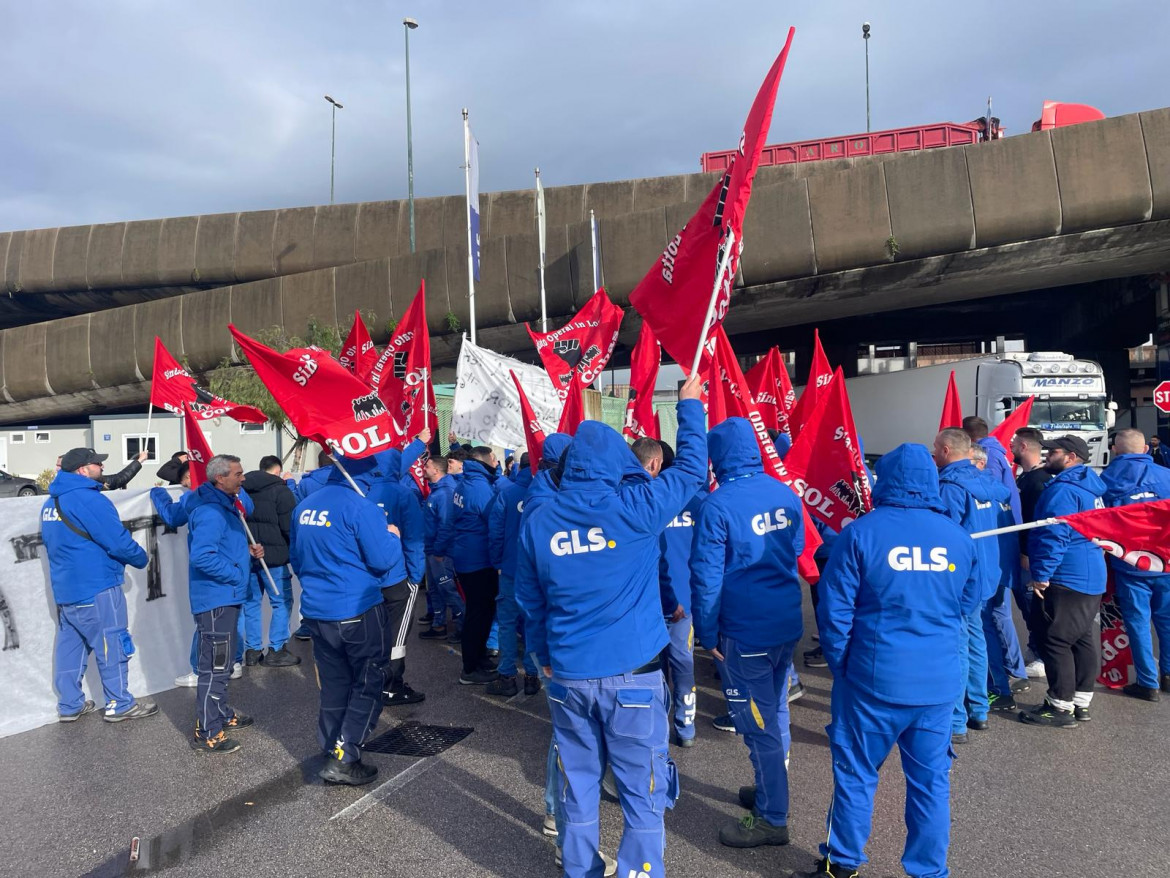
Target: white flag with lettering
x,y
486,410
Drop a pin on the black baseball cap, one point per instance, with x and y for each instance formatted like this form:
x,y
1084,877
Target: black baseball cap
x,y
76,458
1075,444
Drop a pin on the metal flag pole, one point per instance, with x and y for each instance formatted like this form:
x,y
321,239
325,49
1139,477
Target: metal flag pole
x,y
707,320
1043,522
593,235
470,255
337,463
146,438
541,237
252,542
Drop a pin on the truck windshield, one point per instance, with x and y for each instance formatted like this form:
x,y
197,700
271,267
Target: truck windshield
x,y
1068,414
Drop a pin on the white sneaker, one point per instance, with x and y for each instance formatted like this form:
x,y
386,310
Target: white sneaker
x,y
610,863
187,681
1035,670
550,826
237,671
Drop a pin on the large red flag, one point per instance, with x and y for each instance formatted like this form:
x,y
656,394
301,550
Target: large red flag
x,y
583,345
198,450
1138,534
172,388
673,297
358,354
324,402
820,373
771,388
402,375
574,411
952,413
641,419
533,432
826,462
1015,421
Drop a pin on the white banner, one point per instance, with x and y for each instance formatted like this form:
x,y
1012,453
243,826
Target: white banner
x,y
486,410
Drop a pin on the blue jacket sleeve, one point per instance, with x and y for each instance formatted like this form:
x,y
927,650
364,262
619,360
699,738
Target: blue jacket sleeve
x,y
954,499
708,558
1047,545
837,601
530,597
665,586
208,533
497,511
659,500
444,524
380,548
171,512
410,454
973,588
103,524
410,514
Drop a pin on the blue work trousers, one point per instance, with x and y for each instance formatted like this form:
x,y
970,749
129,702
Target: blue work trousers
x,y
441,581
510,624
862,732
1144,599
972,702
680,665
755,683
622,719
278,625
98,626
1004,657
217,631
351,658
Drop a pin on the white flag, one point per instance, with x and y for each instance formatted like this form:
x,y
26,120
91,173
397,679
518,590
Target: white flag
x,y
486,410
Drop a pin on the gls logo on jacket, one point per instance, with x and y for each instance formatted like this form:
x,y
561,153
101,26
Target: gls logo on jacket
x,y
683,519
770,521
568,542
903,558
315,517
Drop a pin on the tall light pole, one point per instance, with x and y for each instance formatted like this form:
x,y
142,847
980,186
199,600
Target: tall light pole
x,y
333,144
865,36
409,24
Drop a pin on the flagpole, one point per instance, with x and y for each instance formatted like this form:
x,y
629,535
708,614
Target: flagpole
x,y
252,542
711,302
541,234
470,255
149,415
1043,522
593,236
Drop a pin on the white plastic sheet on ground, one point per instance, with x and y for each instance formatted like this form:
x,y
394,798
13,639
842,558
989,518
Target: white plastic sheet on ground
x,y
486,410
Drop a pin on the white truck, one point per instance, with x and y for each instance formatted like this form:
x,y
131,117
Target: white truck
x,y
905,406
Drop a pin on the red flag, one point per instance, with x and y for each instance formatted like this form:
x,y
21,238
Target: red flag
x,y
418,472
771,388
574,411
1139,534
324,402
641,419
952,413
1116,654
1017,419
820,373
583,345
358,354
402,375
198,451
172,387
533,433
673,297
826,461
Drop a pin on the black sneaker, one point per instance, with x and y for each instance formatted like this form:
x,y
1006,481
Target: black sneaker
x,y
815,658
427,619
1020,684
302,633
433,634
353,774
252,657
139,710
825,869
679,741
978,725
1047,715
747,797
795,693
1137,690
492,653
478,678
751,832
1000,703
402,695
724,723
1165,682
505,687
1081,714
958,738
531,684
455,636
280,658
219,743
238,721
88,707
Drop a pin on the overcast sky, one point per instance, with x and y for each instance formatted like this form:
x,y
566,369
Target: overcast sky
x,y
133,109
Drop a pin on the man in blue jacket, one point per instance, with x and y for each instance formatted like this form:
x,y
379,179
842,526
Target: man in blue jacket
x,y
88,552
1134,477
895,598
1068,577
438,544
343,551
587,581
503,534
480,581
970,500
746,607
999,467
220,564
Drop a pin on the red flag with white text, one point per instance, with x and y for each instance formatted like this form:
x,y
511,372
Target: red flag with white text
x,y
198,450
583,345
402,374
641,419
820,373
358,353
673,297
533,432
952,412
1139,534
324,402
574,411
772,390
173,388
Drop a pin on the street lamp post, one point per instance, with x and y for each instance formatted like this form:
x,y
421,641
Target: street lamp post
x,y
865,36
409,24
333,144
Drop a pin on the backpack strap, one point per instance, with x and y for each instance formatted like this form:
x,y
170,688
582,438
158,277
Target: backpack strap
x,y
69,524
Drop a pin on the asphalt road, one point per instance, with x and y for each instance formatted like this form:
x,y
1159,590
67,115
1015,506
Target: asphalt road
x,y
1090,801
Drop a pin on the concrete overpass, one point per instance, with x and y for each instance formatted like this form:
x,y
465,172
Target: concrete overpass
x,y
940,242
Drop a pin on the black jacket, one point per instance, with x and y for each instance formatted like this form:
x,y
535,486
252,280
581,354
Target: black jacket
x,y
271,520
169,471
121,478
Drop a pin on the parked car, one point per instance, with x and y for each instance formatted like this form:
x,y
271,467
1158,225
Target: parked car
x,y
15,486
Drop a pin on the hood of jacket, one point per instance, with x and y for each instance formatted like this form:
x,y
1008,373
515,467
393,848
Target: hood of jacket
x,y
992,446
475,471
1082,478
973,480
1128,474
388,463
598,459
908,477
207,494
522,479
733,449
65,482
359,468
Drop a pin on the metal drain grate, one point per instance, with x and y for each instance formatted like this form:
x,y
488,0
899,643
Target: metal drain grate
x,y
416,739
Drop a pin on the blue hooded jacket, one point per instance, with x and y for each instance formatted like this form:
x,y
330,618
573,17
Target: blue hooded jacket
x,y
219,562
80,568
472,498
1134,478
1058,553
401,509
674,570
972,500
504,522
587,569
439,518
1001,470
748,536
900,581
546,482
174,513
342,552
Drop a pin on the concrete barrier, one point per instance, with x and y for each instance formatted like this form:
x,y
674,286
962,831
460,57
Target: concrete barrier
x,y
140,253
103,260
305,295
36,261
69,258
334,235
206,340
930,203
24,362
255,233
379,230
630,244
67,367
13,253
160,318
292,240
111,351
1103,174
522,257
176,250
1014,189
365,287
777,234
256,306
215,248
1156,136
850,218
